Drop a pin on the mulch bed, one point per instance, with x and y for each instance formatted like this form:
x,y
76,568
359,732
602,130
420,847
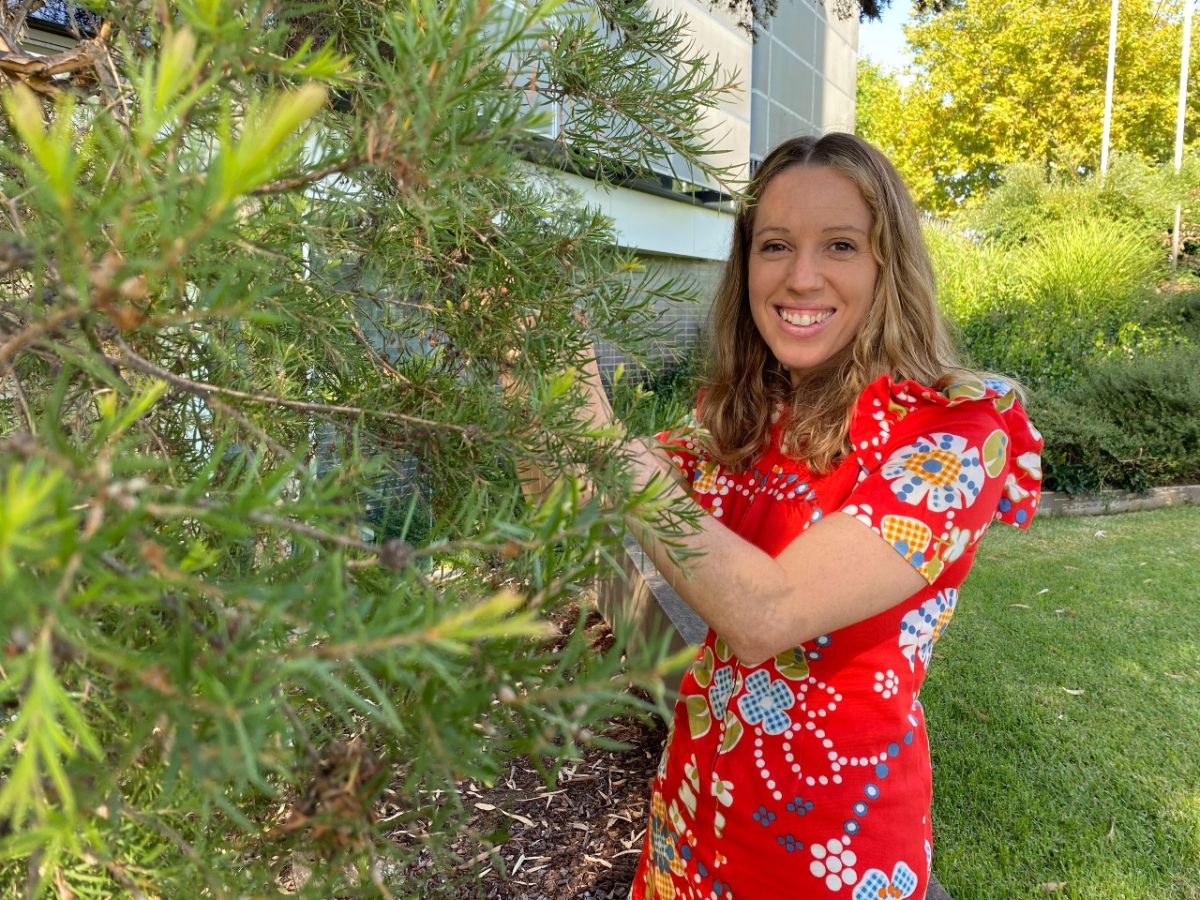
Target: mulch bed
x,y
580,838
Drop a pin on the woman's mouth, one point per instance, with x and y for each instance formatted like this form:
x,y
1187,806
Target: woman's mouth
x,y
804,319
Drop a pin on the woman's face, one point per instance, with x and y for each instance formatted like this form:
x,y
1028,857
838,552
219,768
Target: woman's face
x,y
811,270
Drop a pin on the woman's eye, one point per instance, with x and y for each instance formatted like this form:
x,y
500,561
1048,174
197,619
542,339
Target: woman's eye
x,y
843,247
773,246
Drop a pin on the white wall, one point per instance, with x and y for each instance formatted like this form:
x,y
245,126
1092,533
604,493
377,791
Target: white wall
x,y
660,225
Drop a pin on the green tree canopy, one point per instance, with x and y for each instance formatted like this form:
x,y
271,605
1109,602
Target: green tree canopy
x,y
995,83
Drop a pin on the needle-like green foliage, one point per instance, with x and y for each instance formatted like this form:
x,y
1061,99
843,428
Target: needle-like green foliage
x,y
269,588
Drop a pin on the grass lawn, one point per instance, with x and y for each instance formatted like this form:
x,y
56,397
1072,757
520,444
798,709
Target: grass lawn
x,y
1064,713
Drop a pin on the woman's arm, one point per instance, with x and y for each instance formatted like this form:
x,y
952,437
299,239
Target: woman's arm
x,y
836,573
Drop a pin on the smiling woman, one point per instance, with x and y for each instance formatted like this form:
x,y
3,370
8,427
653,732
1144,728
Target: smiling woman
x,y
850,466
812,272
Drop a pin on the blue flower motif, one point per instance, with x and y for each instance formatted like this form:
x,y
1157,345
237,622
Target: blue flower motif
x,y
789,843
763,816
721,691
765,701
876,884
800,806
663,844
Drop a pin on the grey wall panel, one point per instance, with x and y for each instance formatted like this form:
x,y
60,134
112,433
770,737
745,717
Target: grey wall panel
x,y
758,124
761,64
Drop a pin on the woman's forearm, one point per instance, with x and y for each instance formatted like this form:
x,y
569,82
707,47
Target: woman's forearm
x,y
738,589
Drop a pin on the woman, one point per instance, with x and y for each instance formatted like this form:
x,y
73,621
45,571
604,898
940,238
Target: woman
x,y
850,466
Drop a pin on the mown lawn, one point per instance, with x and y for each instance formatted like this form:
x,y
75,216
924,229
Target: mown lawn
x,y
1064,713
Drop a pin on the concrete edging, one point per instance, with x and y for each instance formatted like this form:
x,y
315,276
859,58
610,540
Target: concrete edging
x,y
1057,503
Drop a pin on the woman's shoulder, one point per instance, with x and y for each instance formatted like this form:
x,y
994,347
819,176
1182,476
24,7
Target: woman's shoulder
x,y
887,402
981,416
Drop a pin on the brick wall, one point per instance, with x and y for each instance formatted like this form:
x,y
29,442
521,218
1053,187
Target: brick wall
x,y
684,322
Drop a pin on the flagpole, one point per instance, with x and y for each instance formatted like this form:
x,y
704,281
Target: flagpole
x,y
1179,120
1108,88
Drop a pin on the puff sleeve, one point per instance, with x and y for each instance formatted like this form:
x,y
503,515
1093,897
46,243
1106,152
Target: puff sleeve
x,y
937,468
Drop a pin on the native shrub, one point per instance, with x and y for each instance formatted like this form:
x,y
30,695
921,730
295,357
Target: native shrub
x,y
263,266
1128,424
1074,292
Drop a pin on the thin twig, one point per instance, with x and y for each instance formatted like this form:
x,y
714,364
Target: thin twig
x,y
296,181
301,732
377,357
22,399
91,525
32,333
246,422
174,511
202,389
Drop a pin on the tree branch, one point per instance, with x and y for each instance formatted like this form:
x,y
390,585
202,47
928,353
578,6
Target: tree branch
x,y
32,333
307,178
202,389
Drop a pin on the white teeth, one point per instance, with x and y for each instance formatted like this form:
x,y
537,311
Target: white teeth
x,y
793,318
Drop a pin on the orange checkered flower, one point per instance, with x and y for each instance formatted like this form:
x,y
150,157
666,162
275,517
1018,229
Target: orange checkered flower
x,y
940,470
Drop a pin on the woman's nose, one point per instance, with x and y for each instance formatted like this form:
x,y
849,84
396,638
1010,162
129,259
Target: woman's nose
x,y
804,274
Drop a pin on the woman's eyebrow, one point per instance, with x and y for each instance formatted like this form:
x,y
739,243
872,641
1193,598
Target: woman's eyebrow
x,y
832,229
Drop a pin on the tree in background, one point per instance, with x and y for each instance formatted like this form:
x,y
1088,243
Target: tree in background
x,y
760,12
1023,80
263,556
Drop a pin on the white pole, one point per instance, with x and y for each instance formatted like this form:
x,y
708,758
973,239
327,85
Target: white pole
x,y
1180,115
1108,88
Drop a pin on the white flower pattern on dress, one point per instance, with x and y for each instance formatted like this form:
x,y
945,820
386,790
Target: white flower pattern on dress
x,y
887,685
960,539
940,470
921,627
834,861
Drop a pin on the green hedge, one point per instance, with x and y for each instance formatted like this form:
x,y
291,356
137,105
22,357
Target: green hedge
x,y
1075,292
1125,424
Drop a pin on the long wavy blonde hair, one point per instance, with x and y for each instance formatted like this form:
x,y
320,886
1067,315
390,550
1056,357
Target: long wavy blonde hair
x,y
903,333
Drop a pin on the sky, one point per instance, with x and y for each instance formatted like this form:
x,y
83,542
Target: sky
x,y
883,42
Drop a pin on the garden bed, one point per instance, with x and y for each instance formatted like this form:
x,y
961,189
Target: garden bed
x,y
579,839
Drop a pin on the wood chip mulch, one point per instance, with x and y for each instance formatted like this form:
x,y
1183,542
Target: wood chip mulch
x,y
579,839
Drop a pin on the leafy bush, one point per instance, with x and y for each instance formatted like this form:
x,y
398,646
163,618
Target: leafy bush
x,y
1076,291
1128,424
658,398
1134,194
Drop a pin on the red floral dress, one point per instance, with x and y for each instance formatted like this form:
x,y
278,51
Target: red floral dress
x,y
808,775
